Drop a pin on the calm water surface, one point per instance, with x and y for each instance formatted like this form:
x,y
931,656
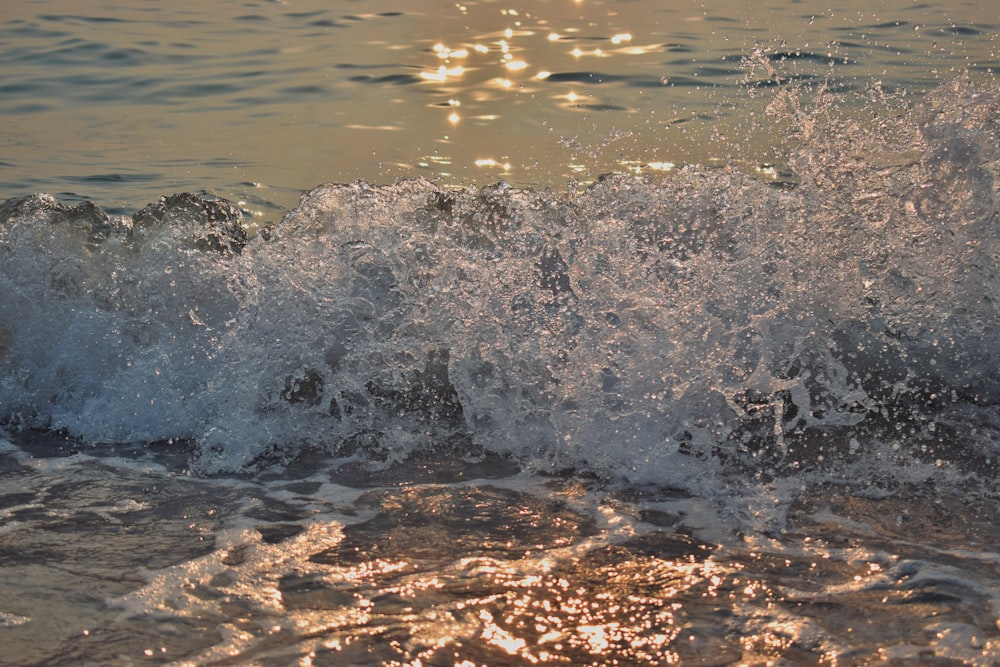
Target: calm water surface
x,y
256,101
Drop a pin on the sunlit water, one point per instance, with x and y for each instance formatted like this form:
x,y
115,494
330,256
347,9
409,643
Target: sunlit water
x,y
257,101
115,558
734,403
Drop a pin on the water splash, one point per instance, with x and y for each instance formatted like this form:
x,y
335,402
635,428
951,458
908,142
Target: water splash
x,y
659,332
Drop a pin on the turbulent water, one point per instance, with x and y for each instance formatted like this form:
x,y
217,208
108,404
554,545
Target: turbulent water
x,y
712,417
653,332
123,560
716,348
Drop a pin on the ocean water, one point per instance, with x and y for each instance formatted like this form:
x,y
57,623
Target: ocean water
x,y
618,334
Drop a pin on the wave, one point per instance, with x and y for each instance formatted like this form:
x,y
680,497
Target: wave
x,y
658,332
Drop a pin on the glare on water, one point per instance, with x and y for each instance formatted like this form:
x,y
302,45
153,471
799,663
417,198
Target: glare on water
x,y
258,101
148,566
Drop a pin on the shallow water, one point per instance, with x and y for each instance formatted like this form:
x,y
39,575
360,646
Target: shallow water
x,y
735,403
472,562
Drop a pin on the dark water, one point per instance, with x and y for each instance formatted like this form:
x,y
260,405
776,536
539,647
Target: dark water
x,y
734,403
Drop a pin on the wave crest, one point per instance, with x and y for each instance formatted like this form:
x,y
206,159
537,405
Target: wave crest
x,y
659,332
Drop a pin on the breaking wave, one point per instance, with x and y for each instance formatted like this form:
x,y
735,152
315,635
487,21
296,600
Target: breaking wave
x,y
654,331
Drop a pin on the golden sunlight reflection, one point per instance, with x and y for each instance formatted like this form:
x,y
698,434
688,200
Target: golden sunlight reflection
x,y
494,634
443,73
654,167
445,53
607,605
490,162
501,68
552,590
437,574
